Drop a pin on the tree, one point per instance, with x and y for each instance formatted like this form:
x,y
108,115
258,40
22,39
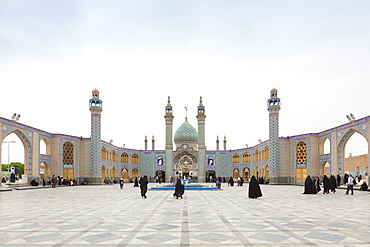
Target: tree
x,y
19,167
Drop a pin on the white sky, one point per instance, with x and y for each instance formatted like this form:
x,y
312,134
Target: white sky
x,y
137,53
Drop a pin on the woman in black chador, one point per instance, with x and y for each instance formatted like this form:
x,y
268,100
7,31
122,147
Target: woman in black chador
x,y
326,183
136,184
332,183
309,186
179,189
254,188
144,186
317,184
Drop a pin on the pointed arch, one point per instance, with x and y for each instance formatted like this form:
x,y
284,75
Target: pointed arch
x,y
325,146
125,174
45,147
267,153
135,159
341,148
44,170
325,168
236,174
113,155
266,174
68,159
135,173
236,159
103,173
246,174
27,148
246,158
124,158
103,153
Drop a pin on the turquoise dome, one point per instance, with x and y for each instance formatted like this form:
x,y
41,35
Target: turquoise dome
x,y
186,133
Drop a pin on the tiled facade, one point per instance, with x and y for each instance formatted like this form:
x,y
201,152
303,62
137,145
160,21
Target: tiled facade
x,y
222,165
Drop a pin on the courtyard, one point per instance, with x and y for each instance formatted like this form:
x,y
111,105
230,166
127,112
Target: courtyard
x,y
107,216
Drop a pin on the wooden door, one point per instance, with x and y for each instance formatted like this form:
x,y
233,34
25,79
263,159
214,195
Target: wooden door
x,y
300,175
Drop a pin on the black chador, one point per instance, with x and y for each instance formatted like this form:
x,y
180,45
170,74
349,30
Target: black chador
x,y
179,189
144,186
254,188
309,186
136,184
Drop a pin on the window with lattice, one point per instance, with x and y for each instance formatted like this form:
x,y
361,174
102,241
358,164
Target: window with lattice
x,y
103,153
301,154
246,158
267,153
135,159
68,153
256,156
113,156
124,158
236,159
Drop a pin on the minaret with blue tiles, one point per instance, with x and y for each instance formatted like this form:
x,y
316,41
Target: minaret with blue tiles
x,y
273,106
201,142
95,109
169,143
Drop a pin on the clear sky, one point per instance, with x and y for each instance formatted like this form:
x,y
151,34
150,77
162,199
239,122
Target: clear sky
x,y
137,53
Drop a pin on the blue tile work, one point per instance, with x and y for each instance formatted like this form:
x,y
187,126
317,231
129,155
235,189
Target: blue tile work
x,y
147,165
6,130
222,161
29,149
343,139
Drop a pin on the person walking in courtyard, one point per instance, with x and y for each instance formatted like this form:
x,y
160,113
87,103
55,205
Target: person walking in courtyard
x,y
121,183
350,184
326,183
53,181
345,178
254,188
179,189
136,184
338,180
144,186
317,184
332,184
231,181
309,186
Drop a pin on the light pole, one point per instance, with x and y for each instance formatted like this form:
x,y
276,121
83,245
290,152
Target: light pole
x,y
9,157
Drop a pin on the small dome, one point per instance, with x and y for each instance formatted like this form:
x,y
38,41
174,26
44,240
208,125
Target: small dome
x,y
95,91
186,133
274,90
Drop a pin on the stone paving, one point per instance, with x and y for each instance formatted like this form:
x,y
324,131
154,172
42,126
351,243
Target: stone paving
x,y
108,216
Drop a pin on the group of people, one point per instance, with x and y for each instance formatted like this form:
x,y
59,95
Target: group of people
x,y
231,181
330,184
254,187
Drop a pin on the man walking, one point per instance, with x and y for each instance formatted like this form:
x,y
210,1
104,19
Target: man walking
x,y
350,184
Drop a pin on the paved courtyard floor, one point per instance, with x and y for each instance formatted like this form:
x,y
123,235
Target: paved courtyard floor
x,y
108,216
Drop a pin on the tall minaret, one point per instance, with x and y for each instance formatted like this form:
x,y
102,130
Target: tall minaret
x,y
153,142
146,143
273,106
201,142
96,109
217,144
169,144
225,142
